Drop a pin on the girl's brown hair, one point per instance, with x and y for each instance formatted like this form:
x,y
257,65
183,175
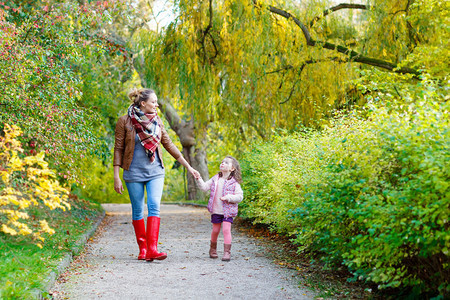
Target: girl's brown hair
x,y
237,170
139,95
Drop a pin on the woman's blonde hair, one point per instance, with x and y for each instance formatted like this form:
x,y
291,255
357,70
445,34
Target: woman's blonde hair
x,y
139,95
237,170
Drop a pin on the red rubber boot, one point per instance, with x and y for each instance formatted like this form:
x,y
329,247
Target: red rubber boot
x,y
152,240
139,230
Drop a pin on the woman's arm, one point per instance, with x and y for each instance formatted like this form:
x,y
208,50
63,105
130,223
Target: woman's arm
x,y
118,187
119,142
119,146
191,170
173,150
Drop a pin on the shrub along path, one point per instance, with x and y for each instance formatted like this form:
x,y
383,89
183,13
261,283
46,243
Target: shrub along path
x,y
109,268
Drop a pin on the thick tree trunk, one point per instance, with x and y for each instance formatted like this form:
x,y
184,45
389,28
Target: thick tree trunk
x,y
197,159
194,149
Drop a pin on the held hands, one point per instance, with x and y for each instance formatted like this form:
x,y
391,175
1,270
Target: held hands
x,y
195,173
118,187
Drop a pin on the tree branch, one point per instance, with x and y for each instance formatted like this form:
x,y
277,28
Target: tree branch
x,y
328,11
308,62
216,50
288,16
207,32
31,27
288,67
352,55
293,88
133,29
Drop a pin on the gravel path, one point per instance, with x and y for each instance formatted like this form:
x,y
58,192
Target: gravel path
x,y
109,268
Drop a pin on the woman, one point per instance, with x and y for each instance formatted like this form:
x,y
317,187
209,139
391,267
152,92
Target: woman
x,y
137,149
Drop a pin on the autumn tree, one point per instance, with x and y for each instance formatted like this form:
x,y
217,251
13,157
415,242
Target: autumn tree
x,y
42,48
253,66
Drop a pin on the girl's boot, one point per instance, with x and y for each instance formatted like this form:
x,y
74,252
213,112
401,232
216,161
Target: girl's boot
x,y
152,240
226,252
139,230
213,250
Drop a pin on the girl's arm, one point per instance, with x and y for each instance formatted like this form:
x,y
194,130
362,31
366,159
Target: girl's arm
x,y
204,186
236,197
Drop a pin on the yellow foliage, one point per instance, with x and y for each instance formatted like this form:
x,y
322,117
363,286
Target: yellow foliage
x,y
45,227
26,182
8,230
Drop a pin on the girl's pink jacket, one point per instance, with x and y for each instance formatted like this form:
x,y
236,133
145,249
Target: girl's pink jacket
x,y
231,190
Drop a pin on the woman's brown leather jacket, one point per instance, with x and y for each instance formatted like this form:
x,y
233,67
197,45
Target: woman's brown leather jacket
x,y
125,139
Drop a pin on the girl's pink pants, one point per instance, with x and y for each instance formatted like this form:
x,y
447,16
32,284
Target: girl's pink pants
x,y
226,232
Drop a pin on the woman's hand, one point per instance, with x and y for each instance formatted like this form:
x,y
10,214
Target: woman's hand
x,y
195,173
224,198
118,187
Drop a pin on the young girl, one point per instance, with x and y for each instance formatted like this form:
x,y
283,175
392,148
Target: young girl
x,y
225,195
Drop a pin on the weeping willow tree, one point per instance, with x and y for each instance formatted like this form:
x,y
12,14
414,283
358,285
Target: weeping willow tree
x,y
250,67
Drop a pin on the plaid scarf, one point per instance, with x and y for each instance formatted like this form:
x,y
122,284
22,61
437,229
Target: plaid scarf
x,y
147,129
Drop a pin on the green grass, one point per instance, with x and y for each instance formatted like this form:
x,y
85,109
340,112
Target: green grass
x,y
24,267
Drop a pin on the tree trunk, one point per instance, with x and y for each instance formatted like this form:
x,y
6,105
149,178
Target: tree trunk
x,y
197,159
194,151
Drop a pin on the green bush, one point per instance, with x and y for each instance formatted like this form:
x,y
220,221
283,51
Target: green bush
x,y
372,194
99,183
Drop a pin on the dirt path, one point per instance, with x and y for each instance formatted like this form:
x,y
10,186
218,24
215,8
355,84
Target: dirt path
x,y
109,267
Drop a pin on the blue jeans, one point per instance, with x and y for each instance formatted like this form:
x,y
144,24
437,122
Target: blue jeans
x,y
154,189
